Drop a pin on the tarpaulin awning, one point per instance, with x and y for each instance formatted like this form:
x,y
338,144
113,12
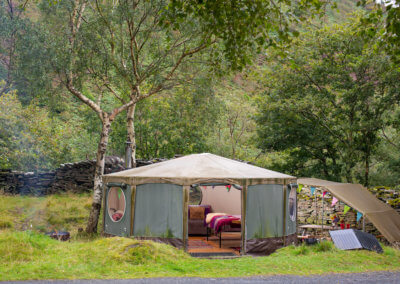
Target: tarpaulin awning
x,y
384,217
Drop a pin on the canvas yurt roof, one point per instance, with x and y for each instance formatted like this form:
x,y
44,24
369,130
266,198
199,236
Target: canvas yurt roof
x,y
200,168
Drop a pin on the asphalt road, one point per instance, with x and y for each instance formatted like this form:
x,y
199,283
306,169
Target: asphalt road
x,y
373,277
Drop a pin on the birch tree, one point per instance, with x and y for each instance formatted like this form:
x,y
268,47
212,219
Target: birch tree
x,y
112,54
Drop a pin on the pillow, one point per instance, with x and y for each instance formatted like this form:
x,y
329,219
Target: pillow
x,y
196,213
211,215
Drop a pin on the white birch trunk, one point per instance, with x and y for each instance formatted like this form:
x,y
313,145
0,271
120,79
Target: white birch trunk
x,y
130,126
99,171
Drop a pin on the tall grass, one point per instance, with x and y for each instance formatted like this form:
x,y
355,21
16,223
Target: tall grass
x,y
30,255
43,214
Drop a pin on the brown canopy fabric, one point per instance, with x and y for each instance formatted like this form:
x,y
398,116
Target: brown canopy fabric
x,y
200,168
384,217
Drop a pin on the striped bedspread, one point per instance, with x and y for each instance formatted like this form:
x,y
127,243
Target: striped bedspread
x,y
219,221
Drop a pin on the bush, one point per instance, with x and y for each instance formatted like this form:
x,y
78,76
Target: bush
x,y
303,249
323,246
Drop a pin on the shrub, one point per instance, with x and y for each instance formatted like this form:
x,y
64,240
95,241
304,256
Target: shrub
x,y
301,250
323,246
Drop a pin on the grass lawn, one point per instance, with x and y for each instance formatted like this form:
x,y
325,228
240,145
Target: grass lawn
x,y
44,214
32,255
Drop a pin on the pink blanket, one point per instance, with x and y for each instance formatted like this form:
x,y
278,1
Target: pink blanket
x,y
219,221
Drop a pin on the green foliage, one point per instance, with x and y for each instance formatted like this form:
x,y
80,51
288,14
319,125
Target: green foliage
x,y
382,22
30,139
244,27
325,105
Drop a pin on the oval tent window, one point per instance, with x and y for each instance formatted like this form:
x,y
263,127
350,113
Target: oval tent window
x,y
292,204
116,204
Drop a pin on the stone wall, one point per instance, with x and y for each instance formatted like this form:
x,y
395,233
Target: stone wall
x,y
310,208
73,177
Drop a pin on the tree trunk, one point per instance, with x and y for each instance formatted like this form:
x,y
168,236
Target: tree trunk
x,y
98,174
130,126
366,181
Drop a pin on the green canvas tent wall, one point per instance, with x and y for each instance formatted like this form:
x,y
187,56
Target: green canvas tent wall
x,y
157,200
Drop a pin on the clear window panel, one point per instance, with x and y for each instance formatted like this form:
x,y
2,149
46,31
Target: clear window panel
x,y
116,204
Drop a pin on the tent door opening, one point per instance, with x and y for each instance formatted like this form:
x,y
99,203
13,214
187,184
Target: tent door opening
x,y
214,223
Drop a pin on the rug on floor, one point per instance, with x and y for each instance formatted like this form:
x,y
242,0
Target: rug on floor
x,y
196,244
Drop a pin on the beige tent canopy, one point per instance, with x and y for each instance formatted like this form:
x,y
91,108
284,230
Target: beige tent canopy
x,y
200,168
384,217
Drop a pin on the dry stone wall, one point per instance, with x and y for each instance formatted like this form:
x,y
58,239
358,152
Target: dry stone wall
x,y
310,208
73,177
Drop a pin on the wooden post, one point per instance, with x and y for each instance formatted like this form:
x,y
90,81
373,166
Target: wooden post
x,y
105,211
243,221
133,200
284,213
297,208
322,222
363,222
185,212
316,209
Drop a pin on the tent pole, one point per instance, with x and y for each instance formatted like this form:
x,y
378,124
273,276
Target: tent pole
x,y
316,209
322,219
363,228
284,213
243,222
185,216
297,208
104,207
133,198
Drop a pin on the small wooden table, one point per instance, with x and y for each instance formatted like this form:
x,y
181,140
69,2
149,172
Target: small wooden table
x,y
320,227
315,228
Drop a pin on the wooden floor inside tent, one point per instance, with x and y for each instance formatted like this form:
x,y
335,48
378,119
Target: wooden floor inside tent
x,y
230,243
